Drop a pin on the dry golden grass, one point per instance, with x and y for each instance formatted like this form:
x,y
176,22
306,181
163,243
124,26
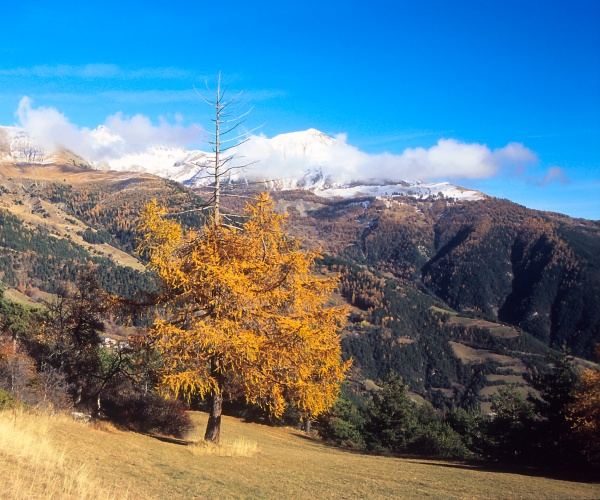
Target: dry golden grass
x,y
255,461
33,465
240,447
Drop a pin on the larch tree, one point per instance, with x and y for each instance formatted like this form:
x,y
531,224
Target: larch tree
x,y
584,412
243,314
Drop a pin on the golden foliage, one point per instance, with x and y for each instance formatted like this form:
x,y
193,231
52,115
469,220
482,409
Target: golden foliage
x,y
584,412
243,312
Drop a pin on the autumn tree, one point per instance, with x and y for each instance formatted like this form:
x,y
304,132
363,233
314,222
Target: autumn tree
x,y
584,412
243,314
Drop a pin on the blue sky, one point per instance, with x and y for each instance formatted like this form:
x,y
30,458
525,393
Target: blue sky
x,y
391,75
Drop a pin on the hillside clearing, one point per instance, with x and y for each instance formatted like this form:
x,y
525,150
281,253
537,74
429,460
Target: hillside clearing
x,y
254,461
20,298
469,354
495,329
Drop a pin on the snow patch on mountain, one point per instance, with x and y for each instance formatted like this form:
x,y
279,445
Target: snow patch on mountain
x,y
306,160
17,145
419,190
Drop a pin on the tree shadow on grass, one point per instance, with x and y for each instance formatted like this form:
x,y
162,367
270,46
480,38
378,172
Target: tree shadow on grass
x,y
586,475
565,474
168,439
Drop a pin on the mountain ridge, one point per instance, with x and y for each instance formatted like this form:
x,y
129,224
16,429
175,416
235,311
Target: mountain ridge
x,y
430,281
190,167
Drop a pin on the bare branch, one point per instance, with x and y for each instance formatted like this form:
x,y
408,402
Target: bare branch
x,y
239,117
236,145
171,214
238,196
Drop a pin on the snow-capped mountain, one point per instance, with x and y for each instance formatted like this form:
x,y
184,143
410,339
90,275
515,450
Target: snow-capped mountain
x,y
309,160
416,189
17,145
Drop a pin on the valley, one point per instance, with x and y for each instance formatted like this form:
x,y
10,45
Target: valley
x,y
442,290
284,250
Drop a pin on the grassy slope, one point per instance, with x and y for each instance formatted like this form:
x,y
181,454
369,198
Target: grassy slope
x,y
19,298
286,464
62,225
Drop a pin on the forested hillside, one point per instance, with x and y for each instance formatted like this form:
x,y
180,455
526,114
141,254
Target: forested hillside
x,y
57,219
490,259
460,298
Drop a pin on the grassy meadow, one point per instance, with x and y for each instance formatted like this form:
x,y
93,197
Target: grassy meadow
x,y
43,456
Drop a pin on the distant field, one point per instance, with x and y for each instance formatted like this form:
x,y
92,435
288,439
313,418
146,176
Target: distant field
x,y
19,298
470,355
508,379
41,456
495,329
490,390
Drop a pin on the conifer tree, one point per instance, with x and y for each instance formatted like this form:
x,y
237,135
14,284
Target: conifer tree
x,y
243,314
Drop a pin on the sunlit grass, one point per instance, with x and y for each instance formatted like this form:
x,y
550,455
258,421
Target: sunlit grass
x,y
52,456
239,447
32,465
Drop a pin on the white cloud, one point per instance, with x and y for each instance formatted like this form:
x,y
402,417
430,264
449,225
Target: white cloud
x,y
172,96
283,156
118,135
138,131
290,155
554,174
51,129
515,158
142,97
95,71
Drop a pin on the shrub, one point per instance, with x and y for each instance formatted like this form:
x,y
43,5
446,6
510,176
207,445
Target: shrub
x,y
6,400
471,426
343,425
391,420
439,440
17,372
146,413
52,389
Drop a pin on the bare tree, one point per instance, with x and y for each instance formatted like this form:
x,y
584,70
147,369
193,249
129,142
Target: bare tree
x,y
218,169
27,151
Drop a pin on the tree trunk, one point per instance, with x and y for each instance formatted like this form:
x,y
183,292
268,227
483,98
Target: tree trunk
x,y
79,396
306,425
213,428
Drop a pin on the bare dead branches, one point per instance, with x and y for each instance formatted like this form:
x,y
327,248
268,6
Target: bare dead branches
x,y
217,172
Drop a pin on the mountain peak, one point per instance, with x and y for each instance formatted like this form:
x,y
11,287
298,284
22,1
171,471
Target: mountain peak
x,y
308,137
307,159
